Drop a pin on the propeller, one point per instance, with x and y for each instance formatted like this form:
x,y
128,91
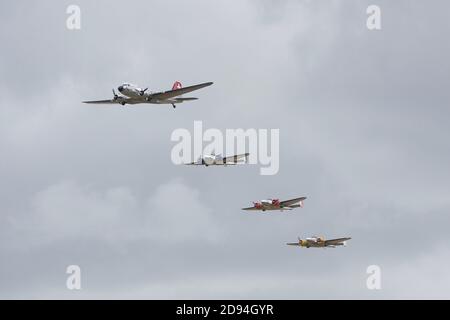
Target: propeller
x,y
143,91
115,95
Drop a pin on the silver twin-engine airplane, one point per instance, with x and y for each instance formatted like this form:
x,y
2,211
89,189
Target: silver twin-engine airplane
x,y
319,242
218,160
276,204
131,94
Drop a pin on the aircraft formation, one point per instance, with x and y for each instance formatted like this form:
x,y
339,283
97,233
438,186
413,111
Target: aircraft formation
x,y
132,94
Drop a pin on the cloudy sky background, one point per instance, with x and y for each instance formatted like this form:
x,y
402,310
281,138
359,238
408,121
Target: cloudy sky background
x,y
363,118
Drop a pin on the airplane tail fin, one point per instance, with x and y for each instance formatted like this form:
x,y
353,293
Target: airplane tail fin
x,y
177,85
299,205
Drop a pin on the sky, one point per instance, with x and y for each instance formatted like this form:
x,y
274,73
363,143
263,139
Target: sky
x,y
363,121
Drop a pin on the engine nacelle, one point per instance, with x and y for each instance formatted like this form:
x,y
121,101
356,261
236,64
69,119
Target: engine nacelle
x,y
257,205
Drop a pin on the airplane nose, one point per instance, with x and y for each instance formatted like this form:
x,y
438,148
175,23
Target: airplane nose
x,y
120,88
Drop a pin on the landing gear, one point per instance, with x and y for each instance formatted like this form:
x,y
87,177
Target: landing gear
x,y
122,103
173,105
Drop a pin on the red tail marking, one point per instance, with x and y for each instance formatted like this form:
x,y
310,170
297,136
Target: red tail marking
x,y
177,85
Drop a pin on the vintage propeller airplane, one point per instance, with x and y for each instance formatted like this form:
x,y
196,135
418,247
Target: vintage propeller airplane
x,y
218,160
319,242
131,94
276,204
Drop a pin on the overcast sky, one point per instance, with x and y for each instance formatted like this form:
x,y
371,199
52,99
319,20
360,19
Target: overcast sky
x,y
364,134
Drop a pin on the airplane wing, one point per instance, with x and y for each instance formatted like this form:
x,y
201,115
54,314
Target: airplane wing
x,y
336,241
177,92
291,202
115,101
250,208
186,99
110,101
235,158
293,244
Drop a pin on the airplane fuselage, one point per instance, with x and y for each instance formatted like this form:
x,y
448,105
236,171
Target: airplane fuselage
x,y
318,242
216,160
271,204
312,242
131,91
136,93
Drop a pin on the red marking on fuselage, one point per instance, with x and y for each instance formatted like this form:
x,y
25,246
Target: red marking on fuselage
x,y
177,85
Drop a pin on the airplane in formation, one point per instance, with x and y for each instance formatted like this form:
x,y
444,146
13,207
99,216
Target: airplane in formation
x,y
276,204
218,160
319,242
131,94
